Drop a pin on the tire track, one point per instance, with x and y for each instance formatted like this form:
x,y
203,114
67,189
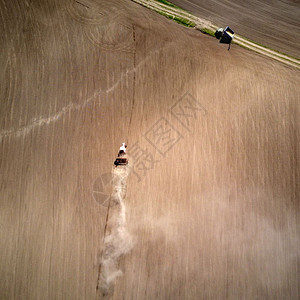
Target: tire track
x,y
134,76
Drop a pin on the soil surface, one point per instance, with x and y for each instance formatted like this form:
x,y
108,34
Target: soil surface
x,y
211,206
275,24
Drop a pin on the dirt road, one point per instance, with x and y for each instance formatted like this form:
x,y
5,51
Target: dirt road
x,y
212,200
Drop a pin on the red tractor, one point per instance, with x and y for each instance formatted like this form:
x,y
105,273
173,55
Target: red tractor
x,y
120,161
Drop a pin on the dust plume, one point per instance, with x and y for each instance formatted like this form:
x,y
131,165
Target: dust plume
x,y
117,240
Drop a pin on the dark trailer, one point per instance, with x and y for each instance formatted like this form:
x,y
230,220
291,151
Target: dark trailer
x,y
225,35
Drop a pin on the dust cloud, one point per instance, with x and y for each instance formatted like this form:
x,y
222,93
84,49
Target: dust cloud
x,y
117,240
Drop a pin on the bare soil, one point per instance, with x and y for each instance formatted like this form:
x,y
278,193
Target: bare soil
x,y
212,200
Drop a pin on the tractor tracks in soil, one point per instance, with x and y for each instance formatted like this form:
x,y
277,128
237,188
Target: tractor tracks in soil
x,y
134,75
200,24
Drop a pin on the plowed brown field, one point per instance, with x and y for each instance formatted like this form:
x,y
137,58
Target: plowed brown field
x,y
212,200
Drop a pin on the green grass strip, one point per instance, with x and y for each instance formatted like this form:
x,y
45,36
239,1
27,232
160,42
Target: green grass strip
x,y
168,3
207,31
179,20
